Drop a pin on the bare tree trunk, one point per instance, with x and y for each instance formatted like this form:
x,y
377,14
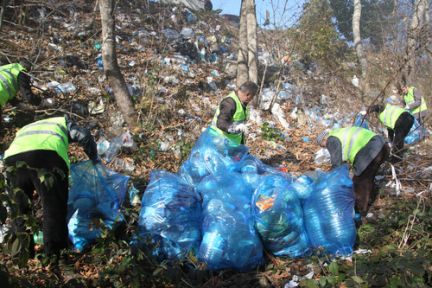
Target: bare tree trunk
x,y
3,7
418,19
364,86
109,57
242,58
252,40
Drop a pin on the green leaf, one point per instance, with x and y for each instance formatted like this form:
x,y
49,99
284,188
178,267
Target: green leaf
x,y
15,247
309,283
357,279
334,268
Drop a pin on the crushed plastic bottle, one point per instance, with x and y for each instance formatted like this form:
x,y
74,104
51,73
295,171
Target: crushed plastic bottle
x,y
65,88
38,238
113,149
99,62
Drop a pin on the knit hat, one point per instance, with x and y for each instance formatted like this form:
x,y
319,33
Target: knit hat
x,y
322,136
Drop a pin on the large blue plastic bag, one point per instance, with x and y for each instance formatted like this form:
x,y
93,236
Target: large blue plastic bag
x,y
211,154
416,134
229,237
279,217
170,216
329,212
95,194
253,170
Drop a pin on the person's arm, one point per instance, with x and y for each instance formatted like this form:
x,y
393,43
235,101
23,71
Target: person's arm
x,y
376,108
417,100
334,146
25,89
227,109
84,138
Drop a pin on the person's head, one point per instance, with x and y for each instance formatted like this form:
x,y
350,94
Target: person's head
x,y
322,138
404,89
26,64
247,91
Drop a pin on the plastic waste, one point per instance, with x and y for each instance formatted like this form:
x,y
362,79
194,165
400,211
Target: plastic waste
x,y
322,156
124,140
417,133
329,212
190,17
133,195
212,153
65,88
229,237
212,83
279,217
170,34
95,196
99,62
187,33
170,216
38,238
360,122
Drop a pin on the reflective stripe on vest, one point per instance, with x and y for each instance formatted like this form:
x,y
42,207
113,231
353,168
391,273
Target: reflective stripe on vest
x,y
409,98
353,139
240,115
9,82
49,134
390,115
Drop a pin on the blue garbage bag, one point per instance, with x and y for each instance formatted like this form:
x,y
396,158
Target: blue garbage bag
x,y
95,196
416,134
230,240
211,154
278,217
170,216
329,212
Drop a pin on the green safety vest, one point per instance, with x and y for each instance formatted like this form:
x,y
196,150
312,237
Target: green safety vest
x,y
409,98
390,115
49,134
9,81
239,116
353,139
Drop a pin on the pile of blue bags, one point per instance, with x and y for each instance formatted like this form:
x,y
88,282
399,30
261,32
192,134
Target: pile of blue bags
x,y
95,196
226,207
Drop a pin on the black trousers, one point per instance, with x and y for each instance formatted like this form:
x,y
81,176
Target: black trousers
x,y
397,136
364,183
53,194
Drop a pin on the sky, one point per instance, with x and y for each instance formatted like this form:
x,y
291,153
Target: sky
x,y
275,7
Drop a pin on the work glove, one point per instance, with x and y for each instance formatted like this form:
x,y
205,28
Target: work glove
x,y
238,128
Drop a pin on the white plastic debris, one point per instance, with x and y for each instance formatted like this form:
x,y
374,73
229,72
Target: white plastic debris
x,y
355,81
322,156
280,115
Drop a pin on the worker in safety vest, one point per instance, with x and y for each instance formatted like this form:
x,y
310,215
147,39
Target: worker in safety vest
x,y
365,151
398,122
41,149
232,113
13,78
414,102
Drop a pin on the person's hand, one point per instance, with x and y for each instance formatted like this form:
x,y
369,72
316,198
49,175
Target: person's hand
x,y
239,128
